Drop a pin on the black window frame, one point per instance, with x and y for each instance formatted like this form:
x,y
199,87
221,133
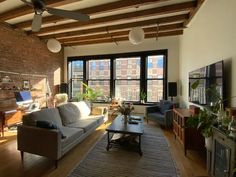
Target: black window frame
x,y
143,68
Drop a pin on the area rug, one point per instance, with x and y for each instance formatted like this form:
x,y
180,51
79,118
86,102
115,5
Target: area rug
x,y
156,160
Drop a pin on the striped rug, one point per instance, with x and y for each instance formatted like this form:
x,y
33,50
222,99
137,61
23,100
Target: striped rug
x,y
156,160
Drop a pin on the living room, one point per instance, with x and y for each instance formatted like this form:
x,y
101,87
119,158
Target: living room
x,y
208,37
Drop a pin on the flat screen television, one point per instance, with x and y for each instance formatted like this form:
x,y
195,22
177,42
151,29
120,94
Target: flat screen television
x,y
23,97
206,84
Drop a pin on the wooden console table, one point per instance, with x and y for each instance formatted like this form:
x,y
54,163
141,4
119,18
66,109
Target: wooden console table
x,y
190,138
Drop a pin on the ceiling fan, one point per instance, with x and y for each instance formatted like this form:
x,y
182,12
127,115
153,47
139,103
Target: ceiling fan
x,y
39,7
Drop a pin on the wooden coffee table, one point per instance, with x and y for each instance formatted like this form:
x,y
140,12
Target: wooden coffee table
x,y
130,129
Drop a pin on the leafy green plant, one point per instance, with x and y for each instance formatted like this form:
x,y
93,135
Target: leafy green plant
x,y
89,94
143,95
203,121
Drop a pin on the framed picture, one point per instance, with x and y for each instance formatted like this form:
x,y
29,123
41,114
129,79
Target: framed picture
x,y
26,84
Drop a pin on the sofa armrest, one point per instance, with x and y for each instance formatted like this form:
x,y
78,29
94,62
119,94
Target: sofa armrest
x,y
100,111
169,118
40,141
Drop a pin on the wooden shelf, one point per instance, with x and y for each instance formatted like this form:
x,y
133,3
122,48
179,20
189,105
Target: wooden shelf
x,y
190,138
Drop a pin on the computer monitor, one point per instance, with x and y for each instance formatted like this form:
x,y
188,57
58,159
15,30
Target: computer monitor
x,y
23,97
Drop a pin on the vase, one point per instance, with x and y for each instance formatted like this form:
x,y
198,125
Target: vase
x,y
208,143
125,119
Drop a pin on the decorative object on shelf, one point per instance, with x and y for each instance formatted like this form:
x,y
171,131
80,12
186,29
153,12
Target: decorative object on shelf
x,y
125,109
6,79
136,35
143,96
232,127
26,84
54,45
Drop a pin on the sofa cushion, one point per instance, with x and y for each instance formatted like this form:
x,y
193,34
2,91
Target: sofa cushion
x,y
71,134
156,115
99,118
85,124
165,105
69,113
84,108
51,114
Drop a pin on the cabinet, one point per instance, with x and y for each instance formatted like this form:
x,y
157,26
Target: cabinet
x,y
190,138
223,154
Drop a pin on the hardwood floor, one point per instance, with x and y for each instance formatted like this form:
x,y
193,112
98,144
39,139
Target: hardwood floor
x,y
193,165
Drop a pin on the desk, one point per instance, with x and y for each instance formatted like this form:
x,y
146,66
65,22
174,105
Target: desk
x,y
9,116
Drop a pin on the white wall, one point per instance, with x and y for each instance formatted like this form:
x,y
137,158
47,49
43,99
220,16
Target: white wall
x,y
211,37
170,43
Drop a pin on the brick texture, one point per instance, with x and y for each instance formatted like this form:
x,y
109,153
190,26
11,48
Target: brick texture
x,y
28,54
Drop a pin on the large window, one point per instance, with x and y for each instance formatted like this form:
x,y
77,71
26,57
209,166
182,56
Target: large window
x,y
99,76
75,70
127,78
155,78
122,76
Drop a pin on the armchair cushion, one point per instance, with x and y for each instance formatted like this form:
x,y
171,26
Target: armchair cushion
x,y
165,105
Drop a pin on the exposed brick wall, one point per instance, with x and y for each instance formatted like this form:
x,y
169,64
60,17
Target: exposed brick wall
x,y
28,54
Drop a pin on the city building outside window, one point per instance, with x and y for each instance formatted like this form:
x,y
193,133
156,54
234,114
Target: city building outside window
x,y
155,78
127,78
75,77
122,76
99,76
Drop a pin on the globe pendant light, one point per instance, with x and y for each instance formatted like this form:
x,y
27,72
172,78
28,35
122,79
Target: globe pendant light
x,y
54,45
136,35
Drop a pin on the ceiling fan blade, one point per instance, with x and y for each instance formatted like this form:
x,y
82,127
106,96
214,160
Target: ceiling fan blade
x,y
68,14
28,3
37,21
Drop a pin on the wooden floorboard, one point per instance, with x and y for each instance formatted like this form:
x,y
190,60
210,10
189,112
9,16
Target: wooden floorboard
x,y
193,165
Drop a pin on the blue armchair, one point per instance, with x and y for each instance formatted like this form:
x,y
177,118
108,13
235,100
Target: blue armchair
x,y
161,113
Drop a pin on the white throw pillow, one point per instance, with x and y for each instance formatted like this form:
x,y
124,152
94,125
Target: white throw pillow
x,y
83,108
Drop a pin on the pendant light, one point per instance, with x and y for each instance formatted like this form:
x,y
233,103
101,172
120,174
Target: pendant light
x,y
136,35
54,45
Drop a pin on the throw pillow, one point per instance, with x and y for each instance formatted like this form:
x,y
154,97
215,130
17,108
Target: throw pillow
x,y
69,113
83,108
49,125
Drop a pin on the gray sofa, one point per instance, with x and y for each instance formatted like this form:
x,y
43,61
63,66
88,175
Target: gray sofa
x,y
53,132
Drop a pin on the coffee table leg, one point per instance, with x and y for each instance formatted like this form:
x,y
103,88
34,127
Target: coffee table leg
x,y
140,150
108,141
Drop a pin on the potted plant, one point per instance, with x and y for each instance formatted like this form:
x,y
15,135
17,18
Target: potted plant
x,y
89,94
204,121
143,96
125,109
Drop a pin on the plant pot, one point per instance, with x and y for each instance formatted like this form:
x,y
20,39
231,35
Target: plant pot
x,y
208,143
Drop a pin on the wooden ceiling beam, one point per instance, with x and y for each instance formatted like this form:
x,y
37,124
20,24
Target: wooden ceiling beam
x,y
109,7
24,10
121,17
172,19
194,11
148,30
118,39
